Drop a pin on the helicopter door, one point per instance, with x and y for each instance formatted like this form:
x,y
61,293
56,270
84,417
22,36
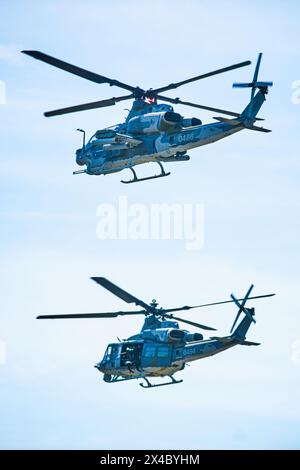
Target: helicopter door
x,y
114,355
164,355
131,355
157,355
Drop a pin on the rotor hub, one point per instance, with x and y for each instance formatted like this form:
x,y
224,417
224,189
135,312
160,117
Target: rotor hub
x,y
154,303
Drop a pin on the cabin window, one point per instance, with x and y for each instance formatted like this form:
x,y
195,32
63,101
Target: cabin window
x,y
107,353
149,351
163,351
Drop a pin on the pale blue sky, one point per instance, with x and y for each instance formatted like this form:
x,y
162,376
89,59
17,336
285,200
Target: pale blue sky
x,y
50,395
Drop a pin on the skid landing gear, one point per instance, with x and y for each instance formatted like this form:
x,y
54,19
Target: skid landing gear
x,y
136,179
149,385
116,378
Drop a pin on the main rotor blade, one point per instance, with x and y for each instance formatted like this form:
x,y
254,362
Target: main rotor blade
x,y
93,77
89,315
194,105
187,307
198,325
121,293
86,106
200,77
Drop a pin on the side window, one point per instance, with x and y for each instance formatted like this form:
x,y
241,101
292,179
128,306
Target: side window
x,y
114,350
107,353
149,351
163,351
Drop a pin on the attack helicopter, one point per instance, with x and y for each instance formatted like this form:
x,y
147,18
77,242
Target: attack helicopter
x,y
162,348
152,131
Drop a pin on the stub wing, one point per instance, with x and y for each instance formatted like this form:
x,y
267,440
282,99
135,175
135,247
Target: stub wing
x,y
113,140
127,140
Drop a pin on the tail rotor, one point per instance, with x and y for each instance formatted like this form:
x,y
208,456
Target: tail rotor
x,y
249,312
255,84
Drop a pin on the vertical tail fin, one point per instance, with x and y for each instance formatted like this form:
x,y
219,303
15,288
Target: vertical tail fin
x,y
241,330
256,100
239,333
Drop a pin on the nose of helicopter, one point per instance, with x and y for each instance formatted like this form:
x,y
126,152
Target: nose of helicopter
x,y
99,366
80,157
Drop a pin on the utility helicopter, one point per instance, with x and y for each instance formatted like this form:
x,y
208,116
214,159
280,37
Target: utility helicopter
x,y
162,348
152,131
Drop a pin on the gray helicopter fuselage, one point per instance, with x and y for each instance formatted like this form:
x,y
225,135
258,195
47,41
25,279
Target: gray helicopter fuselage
x,y
157,134
160,349
161,359
153,132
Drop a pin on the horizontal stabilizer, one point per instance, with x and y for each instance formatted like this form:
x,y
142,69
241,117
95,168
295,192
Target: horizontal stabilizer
x,y
249,343
259,129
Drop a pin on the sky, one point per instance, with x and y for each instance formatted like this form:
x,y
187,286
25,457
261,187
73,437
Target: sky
x,y
247,186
